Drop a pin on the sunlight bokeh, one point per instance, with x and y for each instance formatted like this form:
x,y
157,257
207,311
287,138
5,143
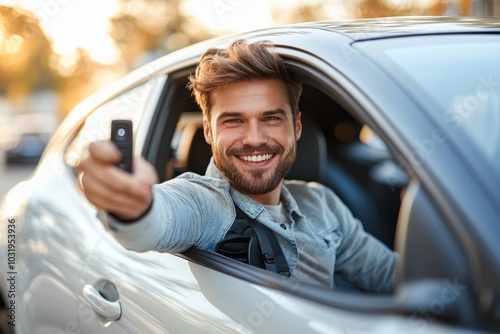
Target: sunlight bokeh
x,y
56,53
85,24
75,24
81,46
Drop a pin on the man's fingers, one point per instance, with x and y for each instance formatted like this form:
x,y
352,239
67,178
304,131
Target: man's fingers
x,y
100,153
105,151
145,171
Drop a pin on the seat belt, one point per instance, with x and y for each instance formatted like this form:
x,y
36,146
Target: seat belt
x,y
251,242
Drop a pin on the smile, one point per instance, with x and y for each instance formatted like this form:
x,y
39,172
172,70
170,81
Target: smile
x,y
256,158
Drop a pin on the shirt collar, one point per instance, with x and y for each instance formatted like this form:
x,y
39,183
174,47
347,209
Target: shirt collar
x,y
213,171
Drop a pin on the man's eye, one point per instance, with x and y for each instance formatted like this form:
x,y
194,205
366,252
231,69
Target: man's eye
x,y
272,118
232,121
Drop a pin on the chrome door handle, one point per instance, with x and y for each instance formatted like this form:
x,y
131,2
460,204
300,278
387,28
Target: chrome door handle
x,y
111,310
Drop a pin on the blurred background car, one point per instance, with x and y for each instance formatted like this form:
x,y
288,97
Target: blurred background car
x,y
28,135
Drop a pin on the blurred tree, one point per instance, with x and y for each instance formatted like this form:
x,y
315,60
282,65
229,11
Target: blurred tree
x,y
148,25
154,27
385,8
140,27
80,76
29,64
302,13
333,9
25,54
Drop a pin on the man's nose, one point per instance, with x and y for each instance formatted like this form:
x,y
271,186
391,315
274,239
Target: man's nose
x,y
254,134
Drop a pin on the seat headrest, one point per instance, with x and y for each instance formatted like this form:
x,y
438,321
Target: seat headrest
x,y
192,152
310,164
199,153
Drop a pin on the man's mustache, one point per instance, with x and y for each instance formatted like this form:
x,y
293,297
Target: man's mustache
x,y
248,149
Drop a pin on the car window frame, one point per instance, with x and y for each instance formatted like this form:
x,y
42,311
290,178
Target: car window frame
x,y
483,171
468,205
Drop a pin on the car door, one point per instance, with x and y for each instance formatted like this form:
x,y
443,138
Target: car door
x,y
123,291
128,292
164,293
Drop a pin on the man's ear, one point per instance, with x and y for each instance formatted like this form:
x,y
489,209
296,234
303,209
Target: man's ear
x,y
298,126
207,130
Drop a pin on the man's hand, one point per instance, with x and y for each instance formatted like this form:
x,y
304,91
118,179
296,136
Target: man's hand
x,y
125,195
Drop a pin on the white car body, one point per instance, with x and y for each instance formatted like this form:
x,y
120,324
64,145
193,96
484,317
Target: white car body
x,y
64,273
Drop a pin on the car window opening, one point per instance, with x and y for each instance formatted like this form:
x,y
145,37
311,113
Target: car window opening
x,y
353,160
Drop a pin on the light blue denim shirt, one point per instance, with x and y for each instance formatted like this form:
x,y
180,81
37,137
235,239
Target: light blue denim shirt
x,y
323,236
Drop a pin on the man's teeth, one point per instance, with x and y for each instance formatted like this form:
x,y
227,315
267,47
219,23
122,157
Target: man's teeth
x,y
256,158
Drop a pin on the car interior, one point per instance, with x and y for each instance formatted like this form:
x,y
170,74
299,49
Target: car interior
x,y
334,149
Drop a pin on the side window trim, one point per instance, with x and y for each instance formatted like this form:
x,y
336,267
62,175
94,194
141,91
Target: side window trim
x,y
149,110
172,101
129,104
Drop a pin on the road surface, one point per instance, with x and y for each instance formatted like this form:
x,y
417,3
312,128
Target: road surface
x,y
11,174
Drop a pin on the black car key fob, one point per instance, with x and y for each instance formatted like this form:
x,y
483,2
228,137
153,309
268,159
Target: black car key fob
x,y
122,137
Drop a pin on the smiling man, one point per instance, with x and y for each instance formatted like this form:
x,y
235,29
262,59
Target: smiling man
x,y
253,133
251,119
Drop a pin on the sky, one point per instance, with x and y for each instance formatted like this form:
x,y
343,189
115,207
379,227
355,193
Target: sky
x,y
84,23
75,23
240,15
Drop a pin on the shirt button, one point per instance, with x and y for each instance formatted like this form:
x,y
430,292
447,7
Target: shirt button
x,y
283,226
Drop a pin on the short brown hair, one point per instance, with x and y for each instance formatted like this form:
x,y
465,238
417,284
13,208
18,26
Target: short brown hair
x,y
240,61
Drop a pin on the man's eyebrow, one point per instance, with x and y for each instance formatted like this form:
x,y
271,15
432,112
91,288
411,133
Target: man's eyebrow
x,y
277,111
226,114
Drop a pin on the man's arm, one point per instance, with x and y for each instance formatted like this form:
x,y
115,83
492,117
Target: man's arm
x,y
362,258
143,216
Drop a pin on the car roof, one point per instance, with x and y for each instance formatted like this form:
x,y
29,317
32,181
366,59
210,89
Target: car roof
x,y
365,29
311,36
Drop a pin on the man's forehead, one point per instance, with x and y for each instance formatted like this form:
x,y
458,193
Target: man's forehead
x,y
257,95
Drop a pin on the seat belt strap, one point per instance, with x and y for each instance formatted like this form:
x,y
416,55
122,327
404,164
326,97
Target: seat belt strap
x,y
272,254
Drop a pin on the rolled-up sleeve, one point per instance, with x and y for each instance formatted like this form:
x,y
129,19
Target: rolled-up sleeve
x,y
361,257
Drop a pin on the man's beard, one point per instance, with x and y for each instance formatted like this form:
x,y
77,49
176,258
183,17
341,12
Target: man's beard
x,y
257,183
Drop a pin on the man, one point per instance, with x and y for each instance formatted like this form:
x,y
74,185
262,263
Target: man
x,y
251,120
